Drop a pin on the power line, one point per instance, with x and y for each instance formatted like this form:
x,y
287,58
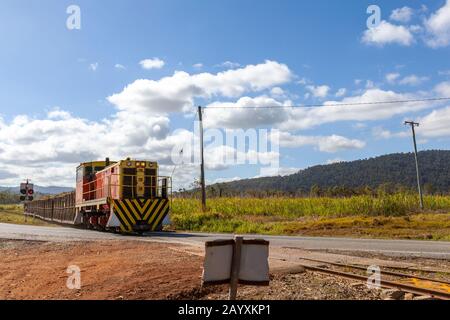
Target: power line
x,y
333,104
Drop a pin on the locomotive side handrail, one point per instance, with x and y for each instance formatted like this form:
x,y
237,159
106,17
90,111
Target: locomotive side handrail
x,y
105,190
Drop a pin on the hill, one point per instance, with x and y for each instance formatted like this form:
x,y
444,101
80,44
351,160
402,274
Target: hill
x,y
38,189
393,169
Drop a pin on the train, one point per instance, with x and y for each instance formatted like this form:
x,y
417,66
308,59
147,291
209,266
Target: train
x,y
126,196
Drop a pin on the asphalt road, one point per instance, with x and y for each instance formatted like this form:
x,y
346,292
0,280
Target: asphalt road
x,y
425,249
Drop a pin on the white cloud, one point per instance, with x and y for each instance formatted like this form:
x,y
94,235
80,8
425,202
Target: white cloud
x,y
177,92
223,180
413,80
438,27
443,89
303,81
435,124
61,141
370,84
93,66
392,77
277,92
275,172
198,65
341,92
319,91
333,161
230,65
119,66
330,144
223,156
245,113
140,127
402,14
381,133
387,33
306,118
154,63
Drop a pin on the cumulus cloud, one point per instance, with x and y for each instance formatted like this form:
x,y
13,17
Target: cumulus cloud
x,y
140,125
387,33
392,77
248,112
435,124
177,92
335,160
245,113
277,91
154,63
438,27
306,118
402,14
61,140
275,172
413,80
341,92
330,144
139,128
319,91
230,65
443,89
381,133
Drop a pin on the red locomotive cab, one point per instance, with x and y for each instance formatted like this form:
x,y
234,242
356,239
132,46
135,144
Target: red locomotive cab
x,y
88,188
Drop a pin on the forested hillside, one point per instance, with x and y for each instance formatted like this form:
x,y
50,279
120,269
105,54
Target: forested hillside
x,y
390,171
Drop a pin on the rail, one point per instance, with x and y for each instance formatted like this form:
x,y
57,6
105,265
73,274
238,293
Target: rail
x,y
160,186
412,288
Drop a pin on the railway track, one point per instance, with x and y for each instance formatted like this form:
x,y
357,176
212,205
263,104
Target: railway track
x,y
409,283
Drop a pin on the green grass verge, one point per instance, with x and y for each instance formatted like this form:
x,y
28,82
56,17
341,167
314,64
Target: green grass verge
x,y
390,216
14,214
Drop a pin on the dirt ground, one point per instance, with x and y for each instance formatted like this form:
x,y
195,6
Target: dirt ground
x,y
145,270
109,270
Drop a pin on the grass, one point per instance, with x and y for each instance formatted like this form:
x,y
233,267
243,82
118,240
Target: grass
x,y
389,216
14,214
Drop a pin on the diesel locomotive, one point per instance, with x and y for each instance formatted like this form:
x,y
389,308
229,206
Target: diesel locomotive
x,y
122,196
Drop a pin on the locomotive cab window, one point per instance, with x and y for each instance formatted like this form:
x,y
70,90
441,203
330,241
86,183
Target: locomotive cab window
x,y
80,174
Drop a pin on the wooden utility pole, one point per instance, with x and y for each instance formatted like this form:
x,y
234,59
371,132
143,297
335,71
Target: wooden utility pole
x,y
235,267
413,125
202,166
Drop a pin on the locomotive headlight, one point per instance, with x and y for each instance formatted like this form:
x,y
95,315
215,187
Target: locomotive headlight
x,y
129,163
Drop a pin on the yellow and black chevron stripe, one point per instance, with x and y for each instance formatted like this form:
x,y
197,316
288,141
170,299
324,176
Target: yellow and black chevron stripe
x,y
130,212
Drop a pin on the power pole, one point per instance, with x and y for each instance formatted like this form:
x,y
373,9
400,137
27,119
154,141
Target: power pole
x,y
413,125
202,166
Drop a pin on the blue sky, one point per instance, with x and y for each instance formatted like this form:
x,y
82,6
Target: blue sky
x,y
57,83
